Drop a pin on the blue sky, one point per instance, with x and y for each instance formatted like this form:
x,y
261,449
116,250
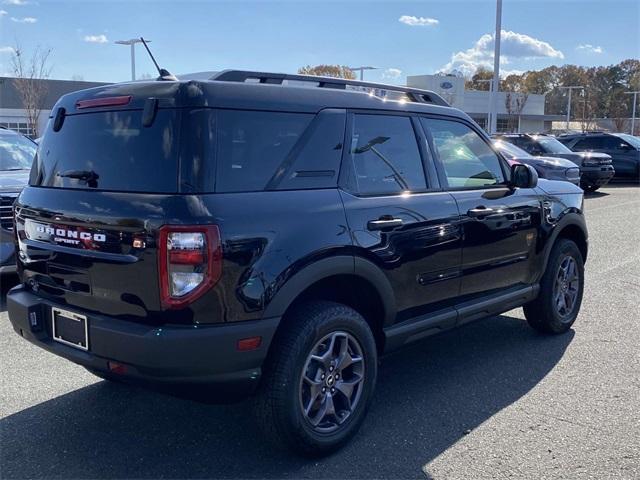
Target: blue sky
x,y
402,38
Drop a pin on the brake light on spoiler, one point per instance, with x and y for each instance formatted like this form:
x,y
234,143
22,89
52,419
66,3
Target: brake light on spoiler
x,y
103,102
189,262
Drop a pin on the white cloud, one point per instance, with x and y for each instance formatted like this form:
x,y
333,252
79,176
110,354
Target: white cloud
x,y
15,2
7,50
3,13
414,21
512,46
391,74
24,20
587,47
96,38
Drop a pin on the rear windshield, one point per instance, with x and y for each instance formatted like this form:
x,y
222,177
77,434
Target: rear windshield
x,y
110,151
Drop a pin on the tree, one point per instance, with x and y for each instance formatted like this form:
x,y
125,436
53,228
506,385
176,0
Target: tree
x,y
516,98
335,71
29,73
478,80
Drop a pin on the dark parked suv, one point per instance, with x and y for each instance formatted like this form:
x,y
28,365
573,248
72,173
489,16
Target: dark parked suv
x,y
623,149
264,238
595,168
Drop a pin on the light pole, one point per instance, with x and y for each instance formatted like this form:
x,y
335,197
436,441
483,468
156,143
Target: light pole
x,y
361,70
633,110
493,97
490,82
132,42
570,88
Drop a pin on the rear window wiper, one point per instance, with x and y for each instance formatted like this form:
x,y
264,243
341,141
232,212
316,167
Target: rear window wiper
x,y
88,176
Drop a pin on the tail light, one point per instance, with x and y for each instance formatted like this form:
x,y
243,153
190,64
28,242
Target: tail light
x,y
189,262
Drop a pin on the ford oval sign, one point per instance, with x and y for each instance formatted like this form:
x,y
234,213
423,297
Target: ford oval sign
x,y
446,85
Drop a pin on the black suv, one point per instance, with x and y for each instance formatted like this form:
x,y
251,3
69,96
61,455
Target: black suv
x,y
272,239
595,168
624,149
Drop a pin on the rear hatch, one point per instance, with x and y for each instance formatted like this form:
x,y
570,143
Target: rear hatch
x,y
105,179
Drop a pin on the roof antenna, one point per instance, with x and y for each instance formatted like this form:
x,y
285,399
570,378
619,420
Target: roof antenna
x,y
164,74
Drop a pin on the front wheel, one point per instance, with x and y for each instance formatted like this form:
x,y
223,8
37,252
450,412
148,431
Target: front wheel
x,y
590,188
561,287
319,378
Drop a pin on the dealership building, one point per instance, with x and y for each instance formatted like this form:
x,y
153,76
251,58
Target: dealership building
x,y
12,113
474,102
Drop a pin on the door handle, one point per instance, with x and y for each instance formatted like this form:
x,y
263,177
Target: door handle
x,y
480,211
384,223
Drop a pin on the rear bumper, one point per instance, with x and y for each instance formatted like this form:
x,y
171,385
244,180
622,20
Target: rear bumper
x,y
597,176
166,356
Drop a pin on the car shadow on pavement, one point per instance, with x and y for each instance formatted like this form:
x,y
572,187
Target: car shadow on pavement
x,y
428,397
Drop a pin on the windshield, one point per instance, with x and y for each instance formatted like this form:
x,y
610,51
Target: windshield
x,y
510,150
16,152
551,145
634,141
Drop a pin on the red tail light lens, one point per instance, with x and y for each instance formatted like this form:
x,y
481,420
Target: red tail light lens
x,y
189,262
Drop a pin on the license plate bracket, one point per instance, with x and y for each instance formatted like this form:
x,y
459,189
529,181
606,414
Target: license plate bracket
x,y
70,328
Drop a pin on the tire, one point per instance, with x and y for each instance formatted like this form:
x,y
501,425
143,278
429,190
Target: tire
x,y
557,306
590,188
284,394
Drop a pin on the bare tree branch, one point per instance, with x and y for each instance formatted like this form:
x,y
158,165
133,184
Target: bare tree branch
x,y
29,73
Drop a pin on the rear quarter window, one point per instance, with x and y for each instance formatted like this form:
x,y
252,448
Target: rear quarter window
x,y
259,150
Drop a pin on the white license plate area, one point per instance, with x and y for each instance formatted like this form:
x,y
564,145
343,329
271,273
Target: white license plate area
x,y
70,328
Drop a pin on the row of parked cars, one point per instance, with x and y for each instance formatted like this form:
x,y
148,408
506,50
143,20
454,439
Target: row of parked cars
x,y
589,159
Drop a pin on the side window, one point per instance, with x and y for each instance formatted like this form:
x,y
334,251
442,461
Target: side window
x,y
612,143
467,160
384,155
251,145
590,143
315,162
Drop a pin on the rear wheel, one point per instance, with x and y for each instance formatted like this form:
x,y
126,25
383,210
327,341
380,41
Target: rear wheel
x,y
561,287
319,379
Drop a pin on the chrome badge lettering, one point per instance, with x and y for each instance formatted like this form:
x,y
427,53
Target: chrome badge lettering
x,y
70,236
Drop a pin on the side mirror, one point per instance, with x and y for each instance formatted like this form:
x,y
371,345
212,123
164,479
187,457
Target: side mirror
x,y
523,176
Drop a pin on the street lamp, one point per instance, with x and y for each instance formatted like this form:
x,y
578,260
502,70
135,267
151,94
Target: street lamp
x,y
361,70
132,42
570,88
490,82
633,110
493,97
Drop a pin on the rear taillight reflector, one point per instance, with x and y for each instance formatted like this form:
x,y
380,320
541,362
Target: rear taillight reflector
x,y
103,102
189,262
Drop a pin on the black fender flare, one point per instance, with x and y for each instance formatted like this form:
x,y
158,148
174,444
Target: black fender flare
x,y
328,267
569,219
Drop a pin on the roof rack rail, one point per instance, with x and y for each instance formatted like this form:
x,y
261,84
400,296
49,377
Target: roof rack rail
x,y
413,94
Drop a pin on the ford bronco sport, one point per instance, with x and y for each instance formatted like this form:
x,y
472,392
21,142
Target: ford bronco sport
x,y
273,235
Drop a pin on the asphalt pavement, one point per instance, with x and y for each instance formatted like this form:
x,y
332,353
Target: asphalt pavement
x,y
493,399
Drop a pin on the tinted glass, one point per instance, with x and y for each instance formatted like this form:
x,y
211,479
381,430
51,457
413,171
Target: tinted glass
x,y
252,145
110,151
467,159
551,145
385,156
510,150
589,143
16,152
316,163
633,141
